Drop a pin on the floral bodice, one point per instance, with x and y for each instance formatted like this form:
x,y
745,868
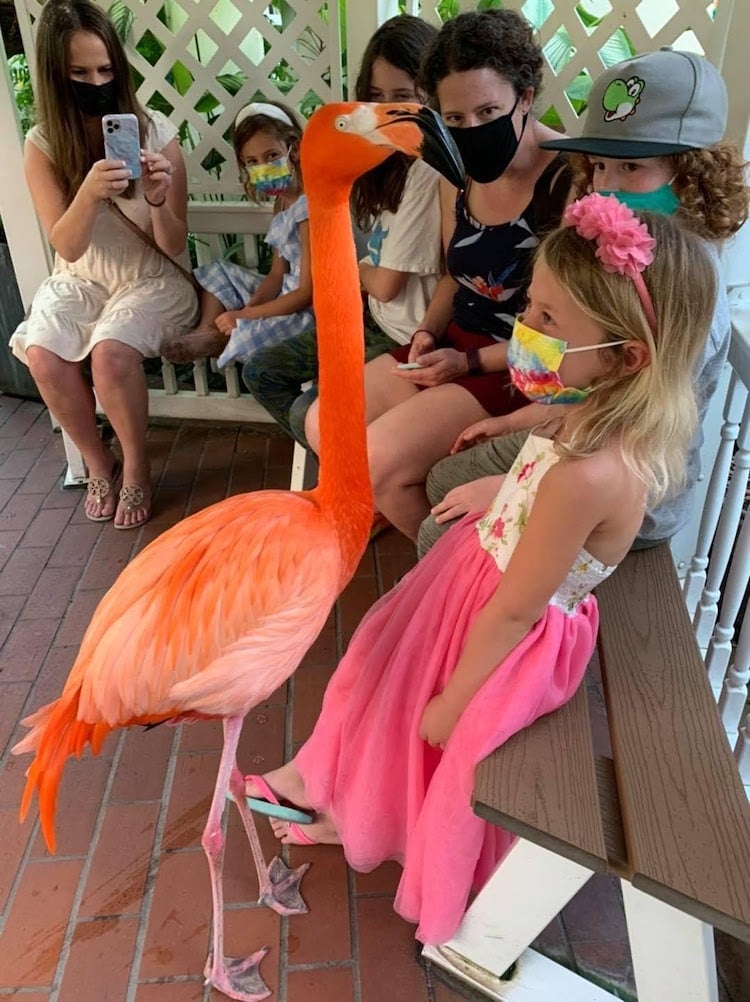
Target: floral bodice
x,y
506,518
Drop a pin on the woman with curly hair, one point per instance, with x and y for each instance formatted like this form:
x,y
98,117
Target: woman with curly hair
x,y
652,138
483,70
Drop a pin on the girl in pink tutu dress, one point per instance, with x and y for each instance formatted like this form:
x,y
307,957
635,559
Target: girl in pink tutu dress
x,y
496,625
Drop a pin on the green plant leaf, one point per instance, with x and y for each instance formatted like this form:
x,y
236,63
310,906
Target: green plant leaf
x,y
232,82
122,18
181,78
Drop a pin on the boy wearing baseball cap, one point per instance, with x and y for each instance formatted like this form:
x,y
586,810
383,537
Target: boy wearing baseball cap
x,y
652,137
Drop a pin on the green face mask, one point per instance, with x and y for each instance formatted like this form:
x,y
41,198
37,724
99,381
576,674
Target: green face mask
x,y
662,200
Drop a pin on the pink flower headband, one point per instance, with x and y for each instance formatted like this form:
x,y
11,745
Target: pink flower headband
x,y
624,245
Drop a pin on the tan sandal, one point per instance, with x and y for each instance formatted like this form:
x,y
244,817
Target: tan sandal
x,y
99,488
133,496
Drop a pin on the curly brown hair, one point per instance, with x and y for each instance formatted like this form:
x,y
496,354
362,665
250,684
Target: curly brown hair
x,y
709,183
502,40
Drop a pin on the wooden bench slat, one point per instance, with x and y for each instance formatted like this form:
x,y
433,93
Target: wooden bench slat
x,y
542,785
685,813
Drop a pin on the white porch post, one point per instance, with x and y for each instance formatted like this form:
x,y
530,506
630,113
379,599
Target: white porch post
x,y
361,21
28,247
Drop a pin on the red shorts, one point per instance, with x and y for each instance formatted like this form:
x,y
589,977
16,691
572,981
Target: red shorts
x,y
492,390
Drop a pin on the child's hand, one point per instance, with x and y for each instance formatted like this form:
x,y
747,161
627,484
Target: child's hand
x,y
438,720
475,496
226,322
482,431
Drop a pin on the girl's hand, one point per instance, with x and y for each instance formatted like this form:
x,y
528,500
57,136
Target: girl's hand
x,y
440,366
156,176
421,343
105,179
438,720
226,322
482,431
475,496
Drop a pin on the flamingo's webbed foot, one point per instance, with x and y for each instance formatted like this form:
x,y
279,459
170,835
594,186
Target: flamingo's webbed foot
x,y
283,895
239,978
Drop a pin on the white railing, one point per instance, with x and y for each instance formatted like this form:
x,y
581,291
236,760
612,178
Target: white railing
x,y
716,583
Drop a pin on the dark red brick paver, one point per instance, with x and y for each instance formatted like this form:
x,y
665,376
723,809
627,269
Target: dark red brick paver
x,y
122,913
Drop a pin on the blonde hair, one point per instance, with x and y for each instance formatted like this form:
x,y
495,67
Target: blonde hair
x,y
653,411
710,184
291,134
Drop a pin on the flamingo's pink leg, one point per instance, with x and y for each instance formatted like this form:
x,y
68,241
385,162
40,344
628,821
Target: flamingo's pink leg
x,y
278,884
238,978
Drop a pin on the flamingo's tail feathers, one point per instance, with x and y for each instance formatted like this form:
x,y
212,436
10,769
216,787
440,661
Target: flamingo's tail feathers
x,y
56,735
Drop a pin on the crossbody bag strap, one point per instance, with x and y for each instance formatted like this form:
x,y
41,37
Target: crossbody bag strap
x,y
187,275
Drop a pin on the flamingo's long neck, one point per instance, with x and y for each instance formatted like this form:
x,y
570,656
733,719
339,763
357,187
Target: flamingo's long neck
x,y
344,486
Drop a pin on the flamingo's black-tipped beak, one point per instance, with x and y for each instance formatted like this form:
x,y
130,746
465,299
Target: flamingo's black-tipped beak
x,y
436,146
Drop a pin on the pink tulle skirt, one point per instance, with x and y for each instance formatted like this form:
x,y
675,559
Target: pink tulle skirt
x,y
390,794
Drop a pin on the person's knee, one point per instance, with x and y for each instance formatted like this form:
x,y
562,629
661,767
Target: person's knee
x,y
113,362
44,365
252,374
429,533
298,415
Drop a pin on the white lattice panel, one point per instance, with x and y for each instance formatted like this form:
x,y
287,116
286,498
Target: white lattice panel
x,y
189,55
580,40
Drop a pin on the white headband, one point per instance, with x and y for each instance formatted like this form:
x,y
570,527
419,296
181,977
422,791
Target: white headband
x,y
260,108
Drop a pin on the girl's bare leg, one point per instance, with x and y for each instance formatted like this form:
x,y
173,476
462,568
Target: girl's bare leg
x,y
204,341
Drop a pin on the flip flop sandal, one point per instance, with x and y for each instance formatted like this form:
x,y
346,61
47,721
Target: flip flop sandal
x,y
133,496
273,808
98,488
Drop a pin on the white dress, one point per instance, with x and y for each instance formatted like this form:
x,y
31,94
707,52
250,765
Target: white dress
x,y
119,289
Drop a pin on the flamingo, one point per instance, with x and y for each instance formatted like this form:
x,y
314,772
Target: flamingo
x,y
250,580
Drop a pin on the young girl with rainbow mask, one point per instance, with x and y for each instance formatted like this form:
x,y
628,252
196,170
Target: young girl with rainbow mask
x,y
241,310
495,627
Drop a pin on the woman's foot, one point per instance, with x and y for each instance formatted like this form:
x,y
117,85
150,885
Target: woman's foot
x,y
134,506
101,493
203,342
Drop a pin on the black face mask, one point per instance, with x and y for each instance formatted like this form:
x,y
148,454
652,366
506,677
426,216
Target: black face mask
x,y
487,149
95,99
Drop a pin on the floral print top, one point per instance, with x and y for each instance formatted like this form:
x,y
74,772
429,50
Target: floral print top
x,y
506,518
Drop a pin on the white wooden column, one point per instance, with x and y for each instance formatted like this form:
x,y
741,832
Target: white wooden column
x,y
28,247
362,18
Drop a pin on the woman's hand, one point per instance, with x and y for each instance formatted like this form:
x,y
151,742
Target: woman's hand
x,y
105,179
156,176
473,497
438,720
421,343
442,365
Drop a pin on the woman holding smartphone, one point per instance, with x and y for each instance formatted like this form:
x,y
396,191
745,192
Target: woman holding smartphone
x,y
113,294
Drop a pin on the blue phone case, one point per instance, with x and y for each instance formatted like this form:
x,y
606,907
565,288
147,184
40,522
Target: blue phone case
x,y
122,141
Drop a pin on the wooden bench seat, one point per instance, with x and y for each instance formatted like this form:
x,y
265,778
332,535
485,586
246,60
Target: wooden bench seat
x,y
667,812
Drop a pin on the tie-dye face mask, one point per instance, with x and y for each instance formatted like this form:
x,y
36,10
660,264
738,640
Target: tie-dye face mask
x,y
271,179
533,361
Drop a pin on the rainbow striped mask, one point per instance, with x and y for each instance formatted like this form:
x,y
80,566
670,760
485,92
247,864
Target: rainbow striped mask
x,y
272,178
533,361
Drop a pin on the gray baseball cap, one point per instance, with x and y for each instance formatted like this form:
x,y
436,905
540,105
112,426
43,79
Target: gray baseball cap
x,y
652,105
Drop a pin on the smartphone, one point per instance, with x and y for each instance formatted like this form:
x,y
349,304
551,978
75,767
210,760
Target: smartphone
x,y
409,365
122,141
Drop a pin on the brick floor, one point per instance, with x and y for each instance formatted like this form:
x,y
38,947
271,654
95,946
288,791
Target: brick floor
x,y
122,913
